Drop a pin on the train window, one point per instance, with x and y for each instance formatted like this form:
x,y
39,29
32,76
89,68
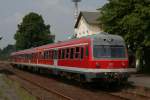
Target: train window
x,y
42,55
82,52
63,54
100,51
21,56
29,56
67,53
35,55
109,51
117,52
55,54
26,56
87,51
50,55
77,49
59,54
67,50
46,54
71,53
77,53
39,55
32,56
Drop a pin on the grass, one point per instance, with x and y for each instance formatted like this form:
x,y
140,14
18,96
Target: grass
x,y
1,94
24,95
20,92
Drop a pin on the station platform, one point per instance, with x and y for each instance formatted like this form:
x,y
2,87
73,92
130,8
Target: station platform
x,y
140,80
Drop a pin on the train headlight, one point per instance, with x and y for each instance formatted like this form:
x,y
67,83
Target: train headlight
x,y
97,65
123,64
110,65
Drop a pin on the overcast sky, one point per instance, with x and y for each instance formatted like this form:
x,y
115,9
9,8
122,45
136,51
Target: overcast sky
x,y
57,13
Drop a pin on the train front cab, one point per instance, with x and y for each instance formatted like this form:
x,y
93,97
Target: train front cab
x,y
109,59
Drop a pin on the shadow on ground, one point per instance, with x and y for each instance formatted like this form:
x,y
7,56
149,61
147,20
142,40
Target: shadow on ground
x,y
5,71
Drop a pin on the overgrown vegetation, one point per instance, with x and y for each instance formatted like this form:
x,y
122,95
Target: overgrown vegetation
x,y
5,53
130,19
9,89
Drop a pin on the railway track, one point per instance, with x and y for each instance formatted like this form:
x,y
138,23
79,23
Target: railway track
x,y
57,95
75,94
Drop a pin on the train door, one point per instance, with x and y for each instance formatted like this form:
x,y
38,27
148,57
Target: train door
x,y
55,57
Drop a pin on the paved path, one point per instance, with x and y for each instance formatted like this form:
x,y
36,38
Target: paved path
x,y
140,80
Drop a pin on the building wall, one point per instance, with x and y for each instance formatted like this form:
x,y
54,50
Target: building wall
x,y
85,29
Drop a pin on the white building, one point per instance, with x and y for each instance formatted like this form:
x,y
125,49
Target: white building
x,y
87,24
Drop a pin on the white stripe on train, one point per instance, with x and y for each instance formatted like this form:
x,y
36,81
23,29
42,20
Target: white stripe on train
x,y
79,70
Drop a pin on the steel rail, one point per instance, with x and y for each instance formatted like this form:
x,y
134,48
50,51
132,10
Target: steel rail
x,y
62,96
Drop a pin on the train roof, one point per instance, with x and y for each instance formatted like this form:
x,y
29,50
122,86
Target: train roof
x,y
100,36
108,39
52,45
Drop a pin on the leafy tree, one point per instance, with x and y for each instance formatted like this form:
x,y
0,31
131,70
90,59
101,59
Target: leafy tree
x,y
130,19
32,32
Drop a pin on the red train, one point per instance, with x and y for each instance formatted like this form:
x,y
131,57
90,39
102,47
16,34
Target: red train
x,y
97,57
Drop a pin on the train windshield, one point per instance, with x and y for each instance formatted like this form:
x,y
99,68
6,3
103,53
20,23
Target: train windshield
x,y
100,51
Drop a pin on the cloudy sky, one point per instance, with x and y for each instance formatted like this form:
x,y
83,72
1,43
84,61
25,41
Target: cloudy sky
x,y
57,13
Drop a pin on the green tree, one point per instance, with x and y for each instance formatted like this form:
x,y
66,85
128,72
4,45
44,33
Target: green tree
x,y
130,19
32,32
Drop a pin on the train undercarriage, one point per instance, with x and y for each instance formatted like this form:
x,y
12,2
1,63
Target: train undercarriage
x,y
108,77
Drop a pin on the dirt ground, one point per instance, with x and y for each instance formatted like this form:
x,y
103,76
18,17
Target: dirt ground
x,y
140,80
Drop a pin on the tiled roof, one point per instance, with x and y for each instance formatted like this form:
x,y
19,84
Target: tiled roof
x,y
90,17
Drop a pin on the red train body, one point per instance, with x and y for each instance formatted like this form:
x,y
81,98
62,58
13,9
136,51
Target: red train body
x,y
101,56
